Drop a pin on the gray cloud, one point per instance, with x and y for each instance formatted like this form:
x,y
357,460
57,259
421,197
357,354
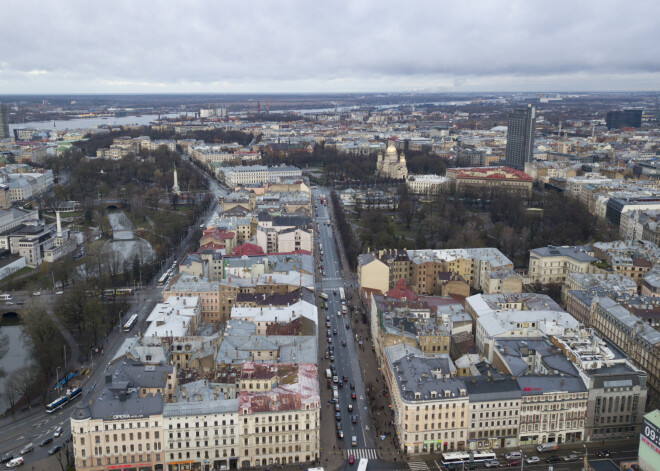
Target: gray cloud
x,y
349,45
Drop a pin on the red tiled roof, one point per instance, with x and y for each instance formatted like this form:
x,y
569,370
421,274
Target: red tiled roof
x,y
247,249
400,291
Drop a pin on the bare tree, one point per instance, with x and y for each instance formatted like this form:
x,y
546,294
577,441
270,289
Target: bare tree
x,y
10,391
26,383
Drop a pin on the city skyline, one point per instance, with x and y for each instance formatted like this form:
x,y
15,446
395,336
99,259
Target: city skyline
x,y
352,47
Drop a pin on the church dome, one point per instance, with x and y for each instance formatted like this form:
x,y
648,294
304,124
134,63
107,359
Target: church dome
x,y
391,149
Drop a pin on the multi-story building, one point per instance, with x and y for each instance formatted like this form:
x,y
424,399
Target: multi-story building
x,y
553,264
623,119
123,427
4,122
490,179
430,404
279,419
426,185
633,336
520,137
494,411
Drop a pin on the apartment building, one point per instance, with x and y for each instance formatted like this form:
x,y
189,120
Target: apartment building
x,y
553,264
494,411
430,404
123,427
489,179
372,273
633,336
279,420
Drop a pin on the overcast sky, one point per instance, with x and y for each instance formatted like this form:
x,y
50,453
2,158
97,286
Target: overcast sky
x,y
254,46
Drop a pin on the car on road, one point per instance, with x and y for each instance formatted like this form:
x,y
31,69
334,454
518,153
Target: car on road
x,y
351,459
341,385
15,462
329,339
334,331
353,396
513,455
571,457
58,431
337,408
27,449
343,343
513,462
332,358
552,459
327,324
58,293
46,441
345,379
603,454
6,457
533,460
9,303
36,293
340,434
350,408
352,386
338,425
337,415
354,418
348,326
55,449
492,464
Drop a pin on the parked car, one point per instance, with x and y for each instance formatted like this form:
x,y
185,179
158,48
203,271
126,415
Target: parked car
x,y
337,415
6,457
603,454
55,449
571,457
338,425
552,459
533,460
511,463
492,464
340,434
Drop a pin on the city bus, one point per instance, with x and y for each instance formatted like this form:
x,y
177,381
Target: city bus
x,y
324,296
131,322
362,465
457,457
124,291
342,295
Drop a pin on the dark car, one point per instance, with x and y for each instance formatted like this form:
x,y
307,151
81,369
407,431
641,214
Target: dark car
x,y
338,416
354,419
345,379
603,454
353,396
46,441
338,425
334,331
55,449
348,326
7,457
352,386
552,459
340,434
513,463
343,343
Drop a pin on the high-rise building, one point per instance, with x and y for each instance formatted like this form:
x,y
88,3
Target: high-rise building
x,y
623,119
4,121
520,137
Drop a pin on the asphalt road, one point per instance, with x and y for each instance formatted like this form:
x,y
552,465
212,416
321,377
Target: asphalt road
x,y
346,359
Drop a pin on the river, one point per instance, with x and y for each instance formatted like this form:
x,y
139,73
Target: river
x,y
17,356
90,123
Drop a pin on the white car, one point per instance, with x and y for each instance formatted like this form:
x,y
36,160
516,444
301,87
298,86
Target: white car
x,y
533,460
58,431
59,292
15,462
36,293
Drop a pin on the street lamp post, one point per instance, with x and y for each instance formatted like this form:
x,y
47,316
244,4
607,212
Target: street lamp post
x,y
91,356
57,375
522,460
586,457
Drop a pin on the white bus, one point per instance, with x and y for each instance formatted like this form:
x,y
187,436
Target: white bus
x,y
163,279
324,296
458,457
362,466
6,297
342,295
131,322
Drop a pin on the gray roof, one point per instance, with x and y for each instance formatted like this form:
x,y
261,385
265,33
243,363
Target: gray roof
x,y
536,384
493,388
564,251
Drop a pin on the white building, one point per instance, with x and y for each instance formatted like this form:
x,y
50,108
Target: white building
x,y
426,184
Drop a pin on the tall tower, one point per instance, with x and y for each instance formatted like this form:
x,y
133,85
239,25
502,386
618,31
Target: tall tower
x,y
4,121
175,188
520,137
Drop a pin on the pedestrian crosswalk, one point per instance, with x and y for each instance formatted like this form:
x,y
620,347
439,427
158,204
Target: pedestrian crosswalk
x,y
418,466
369,453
